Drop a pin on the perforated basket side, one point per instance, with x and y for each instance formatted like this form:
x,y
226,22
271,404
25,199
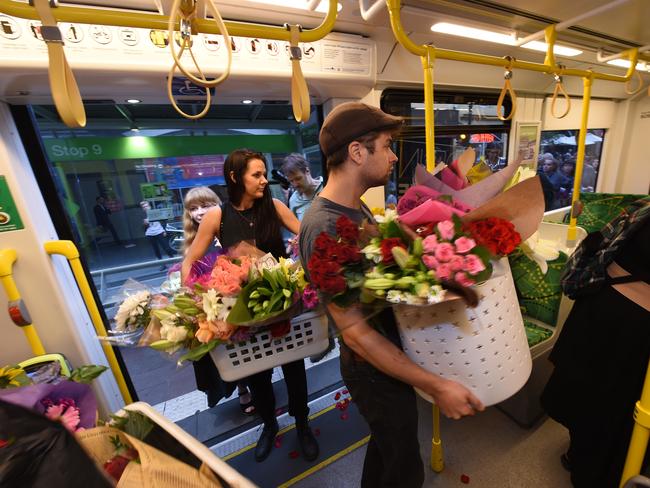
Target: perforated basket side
x,y
484,348
308,336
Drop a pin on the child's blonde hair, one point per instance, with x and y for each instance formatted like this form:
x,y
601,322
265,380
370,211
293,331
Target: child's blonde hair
x,y
199,195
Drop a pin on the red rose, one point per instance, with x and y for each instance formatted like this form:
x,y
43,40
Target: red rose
x,y
333,285
348,254
497,235
346,229
323,245
386,249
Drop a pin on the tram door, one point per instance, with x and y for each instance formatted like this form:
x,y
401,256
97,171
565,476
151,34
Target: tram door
x,y
100,175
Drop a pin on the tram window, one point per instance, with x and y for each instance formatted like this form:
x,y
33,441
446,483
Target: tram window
x,y
557,163
103,171
462,120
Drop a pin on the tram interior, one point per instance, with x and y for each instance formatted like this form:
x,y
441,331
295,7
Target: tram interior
x,y
135,146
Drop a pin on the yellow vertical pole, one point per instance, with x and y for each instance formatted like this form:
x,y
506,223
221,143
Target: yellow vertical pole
x,y
577,178
428,61
7,259
69,250
640,433
437,456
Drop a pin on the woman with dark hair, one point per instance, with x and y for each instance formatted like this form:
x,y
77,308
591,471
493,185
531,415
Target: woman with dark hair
x,y
251,214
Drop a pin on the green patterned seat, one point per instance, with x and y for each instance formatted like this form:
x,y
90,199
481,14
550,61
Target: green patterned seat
x,y
536,334
600,208
539,295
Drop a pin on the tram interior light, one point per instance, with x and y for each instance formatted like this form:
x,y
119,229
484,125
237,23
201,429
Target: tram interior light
x,y
509,39
323,5
625,63
133,100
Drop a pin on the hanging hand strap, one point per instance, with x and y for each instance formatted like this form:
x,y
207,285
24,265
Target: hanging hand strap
x,y
639,86
187,12
63,85
299,90
559,88
507,88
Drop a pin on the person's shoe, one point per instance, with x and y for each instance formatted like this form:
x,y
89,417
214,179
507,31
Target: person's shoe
x,y
247,407
307,441
265,442
320,356
213,398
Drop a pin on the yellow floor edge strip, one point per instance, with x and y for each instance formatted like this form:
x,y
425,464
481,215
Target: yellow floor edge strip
x,y
326,463
286,429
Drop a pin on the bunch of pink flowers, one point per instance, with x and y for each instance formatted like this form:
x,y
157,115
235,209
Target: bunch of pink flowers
x,y
227,275
453,255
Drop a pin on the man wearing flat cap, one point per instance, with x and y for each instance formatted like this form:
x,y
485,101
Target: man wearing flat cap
x,y
357,142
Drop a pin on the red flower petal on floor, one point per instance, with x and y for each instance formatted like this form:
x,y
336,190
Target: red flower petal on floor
x,y
344,416
345,392
337,396
278,443
464,479
316,432
278,412
4,443
293,454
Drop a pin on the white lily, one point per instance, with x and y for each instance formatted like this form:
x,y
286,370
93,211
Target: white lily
x,y
541,251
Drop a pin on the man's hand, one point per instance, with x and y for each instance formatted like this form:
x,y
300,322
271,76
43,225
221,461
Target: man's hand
x,y
455,401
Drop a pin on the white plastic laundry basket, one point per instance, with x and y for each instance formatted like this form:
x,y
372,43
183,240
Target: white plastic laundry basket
x,y
484,348
307,336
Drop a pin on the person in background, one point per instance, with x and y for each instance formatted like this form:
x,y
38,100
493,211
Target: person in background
x,y
356,140
493,157
102,217
198,201
305,187
251,214
602,353
155,234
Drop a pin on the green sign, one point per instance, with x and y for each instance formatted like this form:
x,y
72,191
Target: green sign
x,y
9,216
136,147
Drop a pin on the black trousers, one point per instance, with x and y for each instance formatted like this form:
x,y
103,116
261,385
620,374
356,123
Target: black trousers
x,y
264,398
389,406
159,242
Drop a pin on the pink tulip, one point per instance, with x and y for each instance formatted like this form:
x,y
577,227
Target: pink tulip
x,y
443,272
473,264
457,262
446,229
429,243
463,280
464,244
430,262
444,252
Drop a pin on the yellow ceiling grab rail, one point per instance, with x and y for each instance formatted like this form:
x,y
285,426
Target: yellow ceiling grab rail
x,y
69,250
507,89
126,18
7,259
63,85
299,91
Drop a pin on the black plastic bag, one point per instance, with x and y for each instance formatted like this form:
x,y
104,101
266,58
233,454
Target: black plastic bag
x,y
38,452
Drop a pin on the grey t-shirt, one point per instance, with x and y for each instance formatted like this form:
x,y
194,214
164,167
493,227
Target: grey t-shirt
x,y
321,217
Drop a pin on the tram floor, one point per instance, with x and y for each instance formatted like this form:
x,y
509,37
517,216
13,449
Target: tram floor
x,y
489,448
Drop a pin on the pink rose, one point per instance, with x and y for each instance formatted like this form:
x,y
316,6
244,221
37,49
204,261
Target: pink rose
x,y
430,262
463,280
473,264
446,229
443,272
429,243
444,252
464,244
457,262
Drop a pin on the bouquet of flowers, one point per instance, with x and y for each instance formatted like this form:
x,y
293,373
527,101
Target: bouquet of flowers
x,y
66,400
431,243
226,294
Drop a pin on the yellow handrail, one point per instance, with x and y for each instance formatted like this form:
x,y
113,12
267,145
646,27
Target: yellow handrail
x,y
437,456
640,433
69,250
580,158
125,18
7,259
428,61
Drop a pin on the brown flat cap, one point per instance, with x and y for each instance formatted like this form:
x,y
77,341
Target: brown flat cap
x,y
349,121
